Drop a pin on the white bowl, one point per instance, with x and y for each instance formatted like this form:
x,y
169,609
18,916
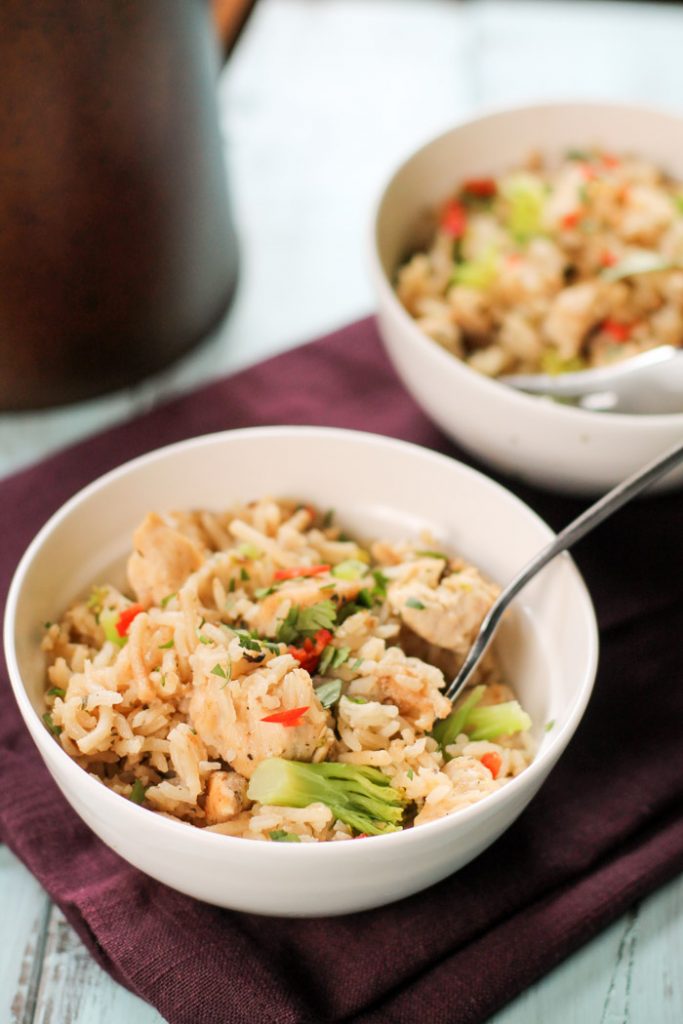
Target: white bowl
x,y
378,487
554,446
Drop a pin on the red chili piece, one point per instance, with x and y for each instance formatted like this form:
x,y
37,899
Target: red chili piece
x,y
607,258
301,570
483,188
609,160
290,717
308,655
617,331
126,617
493,761
454,219
570,220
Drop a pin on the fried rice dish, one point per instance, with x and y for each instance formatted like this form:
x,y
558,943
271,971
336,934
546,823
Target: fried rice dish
x,y
261,674
552,267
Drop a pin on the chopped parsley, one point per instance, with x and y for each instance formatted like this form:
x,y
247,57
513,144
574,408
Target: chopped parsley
x,y
56,691
332,657
137,793
54,729
413,602
280,836
302,622
329,693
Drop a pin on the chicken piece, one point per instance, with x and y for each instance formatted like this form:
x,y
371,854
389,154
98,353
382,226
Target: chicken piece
x,y
448,615
226,795
228,716
162,561
410,684
572,314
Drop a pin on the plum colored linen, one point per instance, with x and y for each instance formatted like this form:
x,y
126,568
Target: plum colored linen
x,y
604,831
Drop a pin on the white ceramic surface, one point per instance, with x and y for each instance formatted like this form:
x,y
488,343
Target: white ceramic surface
x,y
551,445
378,487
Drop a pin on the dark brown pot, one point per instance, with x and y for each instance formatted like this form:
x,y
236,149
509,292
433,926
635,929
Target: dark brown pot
x,y
117,252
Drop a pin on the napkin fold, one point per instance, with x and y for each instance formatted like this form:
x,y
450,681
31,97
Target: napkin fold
x,y
605,830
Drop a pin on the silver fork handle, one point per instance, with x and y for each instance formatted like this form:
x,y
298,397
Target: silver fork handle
x,y
572,533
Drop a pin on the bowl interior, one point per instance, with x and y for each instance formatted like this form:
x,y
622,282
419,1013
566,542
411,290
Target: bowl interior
x,y
377,487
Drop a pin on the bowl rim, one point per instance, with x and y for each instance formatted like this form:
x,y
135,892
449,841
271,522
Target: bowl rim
x,y
535,772
490,386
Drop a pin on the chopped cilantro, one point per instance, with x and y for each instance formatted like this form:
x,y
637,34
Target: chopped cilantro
x,y
163,678
356,664
411,774
332,657
244,575
54,729
381,581
578,154
280,836
262,592
137,793
413,602
328,519
302,622
205,639
432,554
231,587
357,700
329,693
169,597
56,691
167,646
364,598
47,625
218,670
247,641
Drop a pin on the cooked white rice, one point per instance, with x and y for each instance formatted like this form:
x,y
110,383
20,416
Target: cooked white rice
x,y
164,700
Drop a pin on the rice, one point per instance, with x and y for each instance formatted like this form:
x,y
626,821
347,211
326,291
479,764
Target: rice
x,y
264,635
553,267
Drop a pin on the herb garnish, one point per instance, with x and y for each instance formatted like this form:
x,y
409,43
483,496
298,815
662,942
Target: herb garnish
x,y
280,836
167,646
169,597
218,670
329,693
54,729
244,575
332,657
56,691
137,793
302,622
432,554
413,602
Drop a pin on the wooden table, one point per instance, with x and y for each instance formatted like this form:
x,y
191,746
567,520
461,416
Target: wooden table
x,y
319,101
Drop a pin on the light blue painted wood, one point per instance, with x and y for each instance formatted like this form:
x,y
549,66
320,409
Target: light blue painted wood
x,y
319,102
23,914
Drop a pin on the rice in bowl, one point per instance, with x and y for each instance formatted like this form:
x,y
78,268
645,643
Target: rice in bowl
x,y
273,679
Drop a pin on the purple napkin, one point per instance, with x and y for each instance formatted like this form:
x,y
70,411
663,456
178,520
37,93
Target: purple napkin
x,y
604,831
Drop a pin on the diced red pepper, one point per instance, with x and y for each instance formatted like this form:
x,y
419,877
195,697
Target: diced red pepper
x,y
493,761
361,835
290,717
607,258
482,188
454,219
609,160
570,220
309,654
588,171
301,570
126,617
618,331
